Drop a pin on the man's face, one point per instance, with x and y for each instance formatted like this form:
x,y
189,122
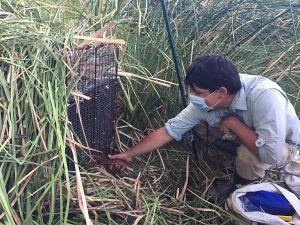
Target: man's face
x,y
211,99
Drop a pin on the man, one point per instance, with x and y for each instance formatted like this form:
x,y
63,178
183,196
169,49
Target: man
x,y
253,108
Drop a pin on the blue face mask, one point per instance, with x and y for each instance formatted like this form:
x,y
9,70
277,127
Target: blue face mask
x,y
200,102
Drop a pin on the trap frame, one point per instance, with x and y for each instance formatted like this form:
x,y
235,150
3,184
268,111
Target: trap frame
x,y
94,119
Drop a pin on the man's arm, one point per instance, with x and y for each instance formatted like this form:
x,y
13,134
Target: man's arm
x,y
269,112
151,142
173,129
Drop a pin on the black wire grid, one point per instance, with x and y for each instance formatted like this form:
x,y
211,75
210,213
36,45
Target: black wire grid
x,y
95,75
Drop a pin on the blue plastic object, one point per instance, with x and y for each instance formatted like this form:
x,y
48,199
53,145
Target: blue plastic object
x,y
268,202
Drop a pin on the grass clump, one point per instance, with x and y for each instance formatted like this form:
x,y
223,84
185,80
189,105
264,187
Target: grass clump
x,y
36,187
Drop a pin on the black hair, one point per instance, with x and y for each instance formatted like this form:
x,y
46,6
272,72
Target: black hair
x,y
212,72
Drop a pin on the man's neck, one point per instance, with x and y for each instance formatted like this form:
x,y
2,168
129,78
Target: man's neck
x,y
228,100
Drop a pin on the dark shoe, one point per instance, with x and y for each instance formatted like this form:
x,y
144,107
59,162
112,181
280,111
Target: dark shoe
x,y
240,180
221,189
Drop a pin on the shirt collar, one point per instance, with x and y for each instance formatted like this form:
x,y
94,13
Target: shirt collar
x,y
239,101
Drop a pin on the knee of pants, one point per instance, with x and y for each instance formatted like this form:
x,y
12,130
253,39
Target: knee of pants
x,y
243,157
248,165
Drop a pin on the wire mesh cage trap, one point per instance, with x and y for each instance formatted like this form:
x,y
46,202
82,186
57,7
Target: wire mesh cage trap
x,y
95,76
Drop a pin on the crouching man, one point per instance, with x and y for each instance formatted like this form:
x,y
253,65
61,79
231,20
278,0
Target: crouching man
x,y
253,108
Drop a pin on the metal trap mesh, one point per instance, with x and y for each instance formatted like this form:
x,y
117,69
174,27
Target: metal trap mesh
x,y
95,76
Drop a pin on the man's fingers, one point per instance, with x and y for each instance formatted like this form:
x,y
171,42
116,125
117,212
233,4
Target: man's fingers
x,y
116,156
123,166
222,129
111,167
118,165
225,130
111,156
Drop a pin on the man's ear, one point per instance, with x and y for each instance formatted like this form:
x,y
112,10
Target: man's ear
x,y
223,91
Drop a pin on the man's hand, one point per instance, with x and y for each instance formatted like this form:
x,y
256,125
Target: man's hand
x,y
120,161
227,124
246,135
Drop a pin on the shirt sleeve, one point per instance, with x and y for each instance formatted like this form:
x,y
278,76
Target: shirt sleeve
x,y
269,118
184,121
190,117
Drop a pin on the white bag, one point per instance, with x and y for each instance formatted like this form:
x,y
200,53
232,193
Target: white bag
x,y
291,174
234,203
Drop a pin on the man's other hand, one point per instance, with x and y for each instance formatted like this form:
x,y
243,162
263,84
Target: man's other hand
x,y
227,123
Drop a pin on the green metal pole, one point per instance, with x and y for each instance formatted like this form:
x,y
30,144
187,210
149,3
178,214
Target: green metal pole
x,y
178,72
174,52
